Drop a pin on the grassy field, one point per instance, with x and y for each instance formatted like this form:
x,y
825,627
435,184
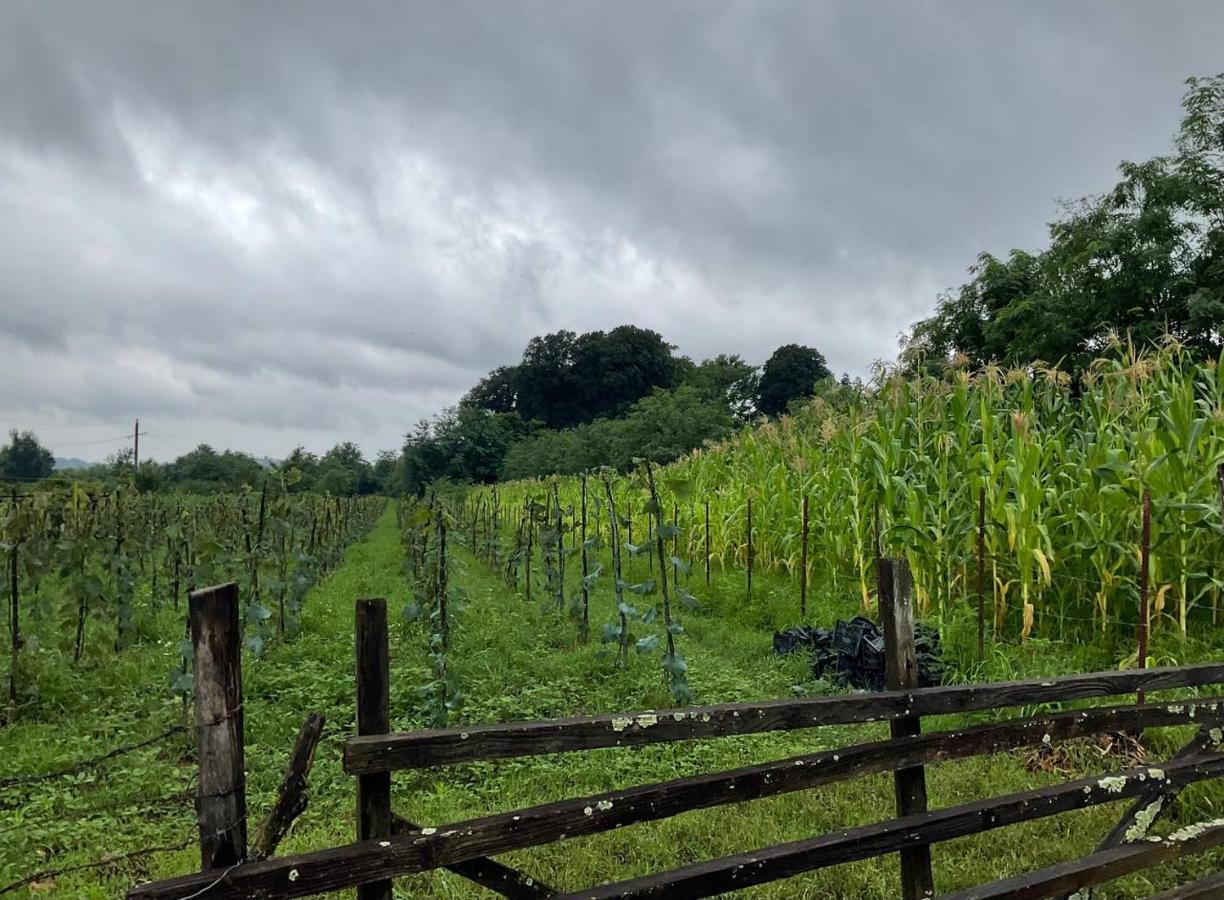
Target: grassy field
x,y
514,660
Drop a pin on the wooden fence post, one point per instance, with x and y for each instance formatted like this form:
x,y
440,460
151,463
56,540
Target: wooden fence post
x,y
221,810
895,587
373,717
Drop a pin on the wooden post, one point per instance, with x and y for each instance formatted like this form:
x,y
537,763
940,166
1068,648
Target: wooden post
x,y
530,541
585,626
1145,547
749,549
707,542
895,588
373,717
291,800
803,563
221,810
1215,595
981,571
14,611
629,533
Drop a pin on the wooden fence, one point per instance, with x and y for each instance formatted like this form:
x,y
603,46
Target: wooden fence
x,y
389,846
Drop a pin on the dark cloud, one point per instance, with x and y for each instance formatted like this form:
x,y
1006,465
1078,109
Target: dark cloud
x,y
268,223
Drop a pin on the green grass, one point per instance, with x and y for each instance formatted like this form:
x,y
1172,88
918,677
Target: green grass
x,y
516,660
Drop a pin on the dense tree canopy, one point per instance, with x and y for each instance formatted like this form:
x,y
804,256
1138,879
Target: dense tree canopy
x,y
661,427
791,373
565,379
575,402
1145,259
23,458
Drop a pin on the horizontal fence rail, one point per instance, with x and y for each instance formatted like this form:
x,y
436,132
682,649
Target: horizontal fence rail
x,y
420,850
390,846
759,866
445,746
1107,865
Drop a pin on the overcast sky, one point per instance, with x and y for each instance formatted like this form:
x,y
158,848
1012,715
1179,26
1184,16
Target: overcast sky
x,y
265,224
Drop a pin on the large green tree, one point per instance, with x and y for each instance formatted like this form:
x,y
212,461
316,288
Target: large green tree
x,y
565,379
792,372
1144,260
23,458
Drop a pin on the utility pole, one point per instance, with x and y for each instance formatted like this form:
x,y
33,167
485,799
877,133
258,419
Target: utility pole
x,y
136,448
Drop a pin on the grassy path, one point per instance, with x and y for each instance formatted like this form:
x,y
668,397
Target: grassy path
x,y
513,660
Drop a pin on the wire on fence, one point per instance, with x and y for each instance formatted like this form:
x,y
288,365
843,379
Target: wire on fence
x,y
93,762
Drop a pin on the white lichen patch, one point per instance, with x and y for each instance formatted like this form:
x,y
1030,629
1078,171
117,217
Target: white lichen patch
x,y
1113,784
587,811
603,805
429,831
1046,739
293,874
705,717
1216,735
679,717
645,721
1192,831
1143,821
620,723
384,843
1156,774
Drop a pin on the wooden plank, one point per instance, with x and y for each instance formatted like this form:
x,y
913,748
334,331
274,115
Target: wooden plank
x,y
291,799
1105,865
1209,888
895,590
489,873
216,635
416,749
521,828
365,861
772,863
373,717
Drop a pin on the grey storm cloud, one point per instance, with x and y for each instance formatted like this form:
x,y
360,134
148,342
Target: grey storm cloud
x,y
267,224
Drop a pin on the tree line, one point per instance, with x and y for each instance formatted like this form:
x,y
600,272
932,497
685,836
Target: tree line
x,y
341,471
576,402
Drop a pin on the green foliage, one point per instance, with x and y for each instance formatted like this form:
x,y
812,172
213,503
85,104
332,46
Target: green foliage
x,y
23,458
1145,259
95,569
790,374
661,427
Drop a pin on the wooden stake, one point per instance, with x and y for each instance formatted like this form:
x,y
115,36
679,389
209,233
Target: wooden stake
x,y
291,799
373,717
707,542
221,804
750,549
584,628
981,572
1145,547
895,587
803,563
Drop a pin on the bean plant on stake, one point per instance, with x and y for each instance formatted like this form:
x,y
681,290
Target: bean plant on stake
x,y
610,631
425,529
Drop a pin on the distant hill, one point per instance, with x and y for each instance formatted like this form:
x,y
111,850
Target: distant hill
x,y
71,462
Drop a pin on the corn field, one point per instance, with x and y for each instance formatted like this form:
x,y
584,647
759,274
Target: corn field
x,y
1062,463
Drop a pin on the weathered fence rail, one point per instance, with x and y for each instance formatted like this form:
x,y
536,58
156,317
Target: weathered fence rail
x,y
389,846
